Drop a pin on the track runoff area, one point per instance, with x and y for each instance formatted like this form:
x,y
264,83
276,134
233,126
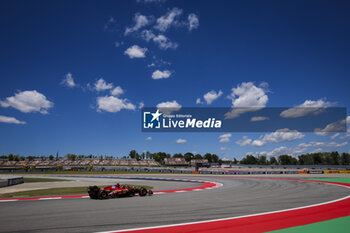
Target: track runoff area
x,y
214,204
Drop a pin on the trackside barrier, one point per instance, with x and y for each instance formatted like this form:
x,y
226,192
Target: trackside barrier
x,y
14,181
3,183
247,172
331,171
274,172
337,171
315,172
258,172
188,171
11,181
289,172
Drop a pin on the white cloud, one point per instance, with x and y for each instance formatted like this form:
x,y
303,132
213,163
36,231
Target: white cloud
x,y
169,104
259,118
101,85
141,105
348,128
245,141
317,150
164,43
281,135
148,138
247,97
167,20
282,150
140,21
199,101
302,148
334,136
169,107
113,104
223,148
316,104
225,137
117,91
161,74
338,126
336,144
135,52
180,140
322,144
147,35
211,96
117,43
68,81
28,101
193,22
10,120
307,108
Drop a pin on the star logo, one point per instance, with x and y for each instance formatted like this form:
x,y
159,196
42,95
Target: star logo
x,y
156,115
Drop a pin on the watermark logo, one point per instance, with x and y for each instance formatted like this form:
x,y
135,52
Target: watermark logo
x,y
317,120
168,119
151,120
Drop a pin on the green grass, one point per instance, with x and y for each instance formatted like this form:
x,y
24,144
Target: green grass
x,y
340,179
56,191
35,180
338,225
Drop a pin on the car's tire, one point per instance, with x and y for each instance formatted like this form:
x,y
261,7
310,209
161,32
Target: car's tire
x,y
103,194
143,192
93,192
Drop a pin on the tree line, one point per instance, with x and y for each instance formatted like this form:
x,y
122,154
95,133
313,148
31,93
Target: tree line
x,y
160,156
73,157
319,158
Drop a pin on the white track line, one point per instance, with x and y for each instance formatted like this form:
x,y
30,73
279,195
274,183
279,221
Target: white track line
x,y
49,198
8,200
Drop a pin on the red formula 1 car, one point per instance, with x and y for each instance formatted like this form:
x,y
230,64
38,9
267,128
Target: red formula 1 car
x,y
116,191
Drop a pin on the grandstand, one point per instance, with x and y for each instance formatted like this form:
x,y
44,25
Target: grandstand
x,y
200,163
5,164
175,162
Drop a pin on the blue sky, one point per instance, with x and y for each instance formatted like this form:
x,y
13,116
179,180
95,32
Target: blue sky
x,y
266,53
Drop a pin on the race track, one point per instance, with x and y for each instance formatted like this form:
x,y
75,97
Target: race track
x,y
237,197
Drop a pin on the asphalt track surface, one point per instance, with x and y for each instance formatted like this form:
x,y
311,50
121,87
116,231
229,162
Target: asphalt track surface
x,y
237,197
